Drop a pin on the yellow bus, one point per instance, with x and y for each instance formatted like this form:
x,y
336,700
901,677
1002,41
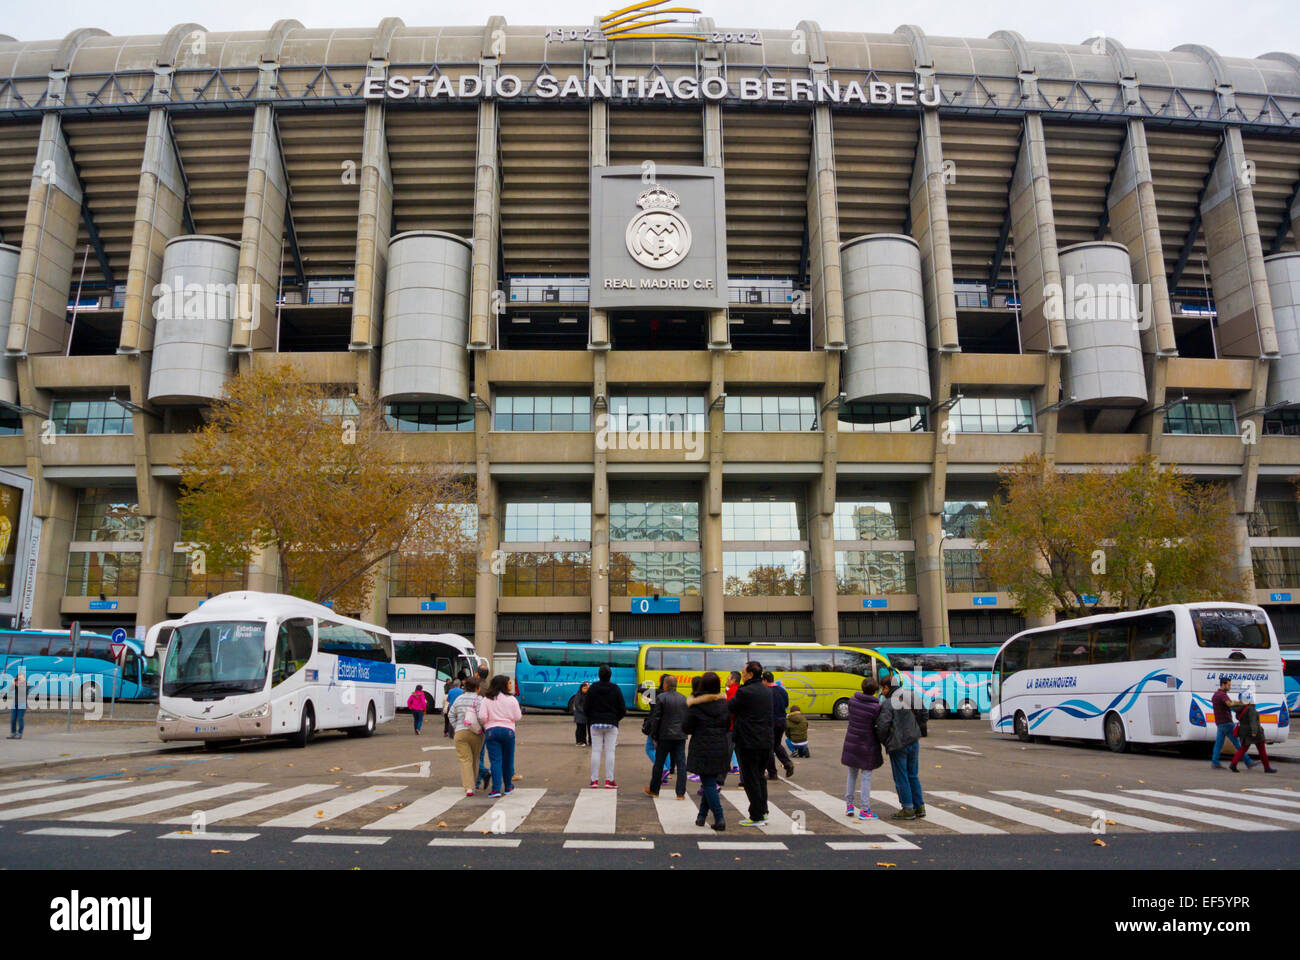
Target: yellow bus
x,y
820,680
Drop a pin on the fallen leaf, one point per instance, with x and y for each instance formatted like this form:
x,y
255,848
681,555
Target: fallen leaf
x,y
1141,781
1098,842
218,851
674,854
334,769
938,766
442,823
1110,823
1056,809
881,863
320,813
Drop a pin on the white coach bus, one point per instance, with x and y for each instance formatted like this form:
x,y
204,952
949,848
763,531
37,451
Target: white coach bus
x,y
249,664
1143,677
430,660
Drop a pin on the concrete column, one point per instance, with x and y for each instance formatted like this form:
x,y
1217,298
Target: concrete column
x,y
264,571
374,228
1034,228
486,584
710,66
159,216
484,308
600,517
1236,256
39,323
57,508
927,506
824,236
161,531
711,516
931,230
261,242
598,333
821,516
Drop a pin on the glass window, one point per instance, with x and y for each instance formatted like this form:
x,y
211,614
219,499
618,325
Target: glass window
x,y
1073,647
622,656
648,574
1013,657
811,660
1276,567
1153,636
992,415
872,520
1043,650
1203,416
769,413
654,659
292,648
683,659
11,423
959,516
1110,642
415,652
963,571
777,661
547,575
661,414
904,661
875,572
547,521
765,573
108,514
430,417
586,657
90,417
1282,423
850,661
722,662
1275,518
1244,629
108,573
654,520
864,417
938,662
560,411
766,520
347,641
975,661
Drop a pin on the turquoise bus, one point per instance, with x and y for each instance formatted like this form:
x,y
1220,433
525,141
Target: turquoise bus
x,y
951,680
549,674
46,656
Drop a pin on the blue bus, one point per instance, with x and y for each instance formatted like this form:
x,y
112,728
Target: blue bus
x,y
950,679
46,656
549,674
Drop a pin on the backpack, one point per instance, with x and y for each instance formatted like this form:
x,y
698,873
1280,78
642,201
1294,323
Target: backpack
x,y
471,722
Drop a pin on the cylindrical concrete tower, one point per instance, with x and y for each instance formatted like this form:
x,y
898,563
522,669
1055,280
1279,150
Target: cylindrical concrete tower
x,y
426,318
884,320
194,313
8,277
1283,272
1102,315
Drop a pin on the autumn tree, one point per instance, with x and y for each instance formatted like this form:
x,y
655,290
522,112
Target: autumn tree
x,y
1139,536
285,466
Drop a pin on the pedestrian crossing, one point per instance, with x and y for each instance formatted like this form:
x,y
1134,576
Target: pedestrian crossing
x,y
594,819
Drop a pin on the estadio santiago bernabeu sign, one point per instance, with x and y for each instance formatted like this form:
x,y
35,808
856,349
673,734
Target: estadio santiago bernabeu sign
x,y
658,238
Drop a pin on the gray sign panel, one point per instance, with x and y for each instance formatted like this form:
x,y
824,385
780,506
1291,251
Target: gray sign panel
x,y
658,238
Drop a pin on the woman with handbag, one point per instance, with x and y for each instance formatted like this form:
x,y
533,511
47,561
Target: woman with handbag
x,y
464,719
499,712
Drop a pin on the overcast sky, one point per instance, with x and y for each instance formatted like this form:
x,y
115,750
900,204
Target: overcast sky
x,y
1241,28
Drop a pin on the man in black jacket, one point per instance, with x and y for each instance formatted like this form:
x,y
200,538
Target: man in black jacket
x,y
752,709
780,704
605,708
666,718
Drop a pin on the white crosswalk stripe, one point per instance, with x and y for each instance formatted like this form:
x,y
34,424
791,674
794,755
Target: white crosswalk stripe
x,y
936,815
419,812
1219,804
26,783
678,816
1261,796
833,807
242,808
165,803
110,796
1276,791
1182,813
1005,810
1126,819
54,791
509,812
596,811
331,809
777,822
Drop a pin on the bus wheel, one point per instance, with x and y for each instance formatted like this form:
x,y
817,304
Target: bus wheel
x,y
366,729
968,711
306,729
1116,741
841,710
938,709
1021,726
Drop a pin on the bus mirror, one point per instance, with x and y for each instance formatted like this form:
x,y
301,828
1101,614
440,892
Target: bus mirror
x,y
151,638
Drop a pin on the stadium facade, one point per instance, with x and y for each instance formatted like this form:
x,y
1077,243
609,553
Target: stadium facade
x,y
732,329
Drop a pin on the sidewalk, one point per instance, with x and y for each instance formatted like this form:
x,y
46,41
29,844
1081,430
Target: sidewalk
x,y
44,741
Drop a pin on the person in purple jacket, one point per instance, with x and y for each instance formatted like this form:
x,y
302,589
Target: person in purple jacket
x,y
861,753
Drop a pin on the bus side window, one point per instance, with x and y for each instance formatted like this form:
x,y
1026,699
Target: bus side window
x,y
1043,649
292,649
722,662
1110,643
654,659
1153,636
1073,649
850,661
1014,657
903,661
937,662
683,659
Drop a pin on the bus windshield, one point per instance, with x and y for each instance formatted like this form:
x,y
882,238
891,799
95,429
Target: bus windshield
x,y
1242,629
215,659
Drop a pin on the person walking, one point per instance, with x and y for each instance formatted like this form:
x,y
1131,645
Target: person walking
x,y
499,712
708,724
580,714
861,752
666,719
796,732
651,694
605,708
1252,732
449,694
19,708
416,703
1223,723
733,684
780,701
464,718
484,775
751,708
899,729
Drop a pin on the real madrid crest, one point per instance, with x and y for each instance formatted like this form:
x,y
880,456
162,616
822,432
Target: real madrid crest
x,y
658,237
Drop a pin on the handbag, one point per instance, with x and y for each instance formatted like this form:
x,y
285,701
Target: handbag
x,y
472,722
645,726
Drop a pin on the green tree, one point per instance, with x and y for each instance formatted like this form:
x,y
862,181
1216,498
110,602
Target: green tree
x,y
282,465
1134,537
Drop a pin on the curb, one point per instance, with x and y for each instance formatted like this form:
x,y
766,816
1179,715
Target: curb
x,y
56,761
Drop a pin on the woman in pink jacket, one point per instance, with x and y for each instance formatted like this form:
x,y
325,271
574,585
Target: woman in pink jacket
x,y
417,703
499,712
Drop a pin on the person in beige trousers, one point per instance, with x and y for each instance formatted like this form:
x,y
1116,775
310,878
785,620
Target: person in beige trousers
x,y
468,740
